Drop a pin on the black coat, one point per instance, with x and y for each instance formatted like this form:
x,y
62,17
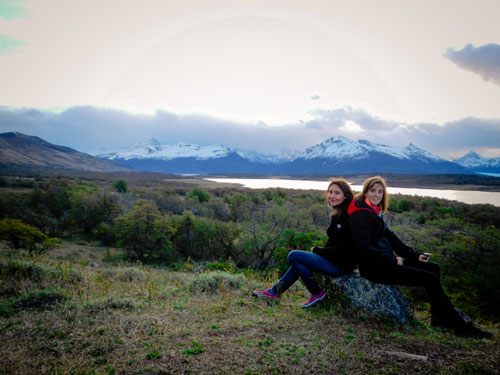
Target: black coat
x,y
339,248
375,243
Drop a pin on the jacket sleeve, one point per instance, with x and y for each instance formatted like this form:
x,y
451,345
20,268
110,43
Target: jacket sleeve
x,y
399,247
378,253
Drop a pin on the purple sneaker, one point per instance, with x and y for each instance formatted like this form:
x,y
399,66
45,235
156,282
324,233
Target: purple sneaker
x,y
265,294
315,299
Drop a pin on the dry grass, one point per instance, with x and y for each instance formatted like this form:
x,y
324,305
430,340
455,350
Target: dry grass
x,y
156,321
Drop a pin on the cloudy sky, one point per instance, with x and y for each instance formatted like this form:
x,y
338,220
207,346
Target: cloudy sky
x,y
267,75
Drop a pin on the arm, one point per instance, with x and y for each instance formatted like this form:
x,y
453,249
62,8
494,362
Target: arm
x,y
371,250
399,247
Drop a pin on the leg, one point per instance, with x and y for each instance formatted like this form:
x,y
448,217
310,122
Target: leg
x,y
303,264
419,274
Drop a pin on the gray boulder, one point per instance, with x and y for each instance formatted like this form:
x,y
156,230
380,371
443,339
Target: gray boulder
x,y
378,298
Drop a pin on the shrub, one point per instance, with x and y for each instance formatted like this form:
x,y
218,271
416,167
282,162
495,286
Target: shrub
x,y
38,299
145,233
19,235
127,274
17,277
213,282
200,195
113,302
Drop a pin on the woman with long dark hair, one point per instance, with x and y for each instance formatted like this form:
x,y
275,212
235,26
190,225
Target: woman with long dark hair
x,y
376,245
335,259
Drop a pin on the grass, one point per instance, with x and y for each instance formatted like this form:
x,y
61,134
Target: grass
x,y
132,319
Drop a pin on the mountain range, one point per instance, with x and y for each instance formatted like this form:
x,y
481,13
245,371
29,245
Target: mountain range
x,y
478,164
336,155
17,149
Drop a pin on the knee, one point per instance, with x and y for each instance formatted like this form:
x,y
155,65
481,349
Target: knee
x,y
434,267
432,279
292,256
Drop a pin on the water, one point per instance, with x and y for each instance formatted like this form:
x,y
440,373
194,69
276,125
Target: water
x,y
466,196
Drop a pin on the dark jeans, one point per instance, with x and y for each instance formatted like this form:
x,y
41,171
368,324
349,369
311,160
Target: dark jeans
x,y
303,264
415,273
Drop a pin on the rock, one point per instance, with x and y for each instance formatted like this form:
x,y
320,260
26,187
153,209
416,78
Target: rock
x,y
380,299
94,265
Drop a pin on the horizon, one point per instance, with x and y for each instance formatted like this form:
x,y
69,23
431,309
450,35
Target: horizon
x,y
270,77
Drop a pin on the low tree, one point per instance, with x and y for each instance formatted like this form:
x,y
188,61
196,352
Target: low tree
x,y
120,186
22,236
145,233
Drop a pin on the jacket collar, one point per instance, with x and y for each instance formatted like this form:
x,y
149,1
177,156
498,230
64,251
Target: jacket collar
x,y
365,206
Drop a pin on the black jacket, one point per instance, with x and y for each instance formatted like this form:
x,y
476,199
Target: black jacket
x,y
374,241
339,248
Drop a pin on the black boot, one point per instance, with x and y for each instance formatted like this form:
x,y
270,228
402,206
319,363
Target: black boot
x,y
470,330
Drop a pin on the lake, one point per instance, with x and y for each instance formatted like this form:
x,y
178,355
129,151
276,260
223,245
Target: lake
x,y
466,196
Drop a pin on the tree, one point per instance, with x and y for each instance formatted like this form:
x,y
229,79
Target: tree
x,y
22,236
120,186
200,195
145,233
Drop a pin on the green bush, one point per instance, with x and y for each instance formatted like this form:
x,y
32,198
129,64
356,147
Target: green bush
x,y
19,235
113,303
145,233
36,299
215,281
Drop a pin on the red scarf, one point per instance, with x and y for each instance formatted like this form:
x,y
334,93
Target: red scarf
x,y
373,208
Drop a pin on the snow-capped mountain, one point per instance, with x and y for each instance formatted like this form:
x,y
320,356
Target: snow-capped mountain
x,y
336,155
342,148
341,155
186,158
155,150
479,164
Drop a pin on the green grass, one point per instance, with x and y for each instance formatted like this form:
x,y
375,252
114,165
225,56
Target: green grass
x,y
134,319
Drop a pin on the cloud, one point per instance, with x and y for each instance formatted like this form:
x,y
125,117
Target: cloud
x,y
483,60
8,44
10,9
97,130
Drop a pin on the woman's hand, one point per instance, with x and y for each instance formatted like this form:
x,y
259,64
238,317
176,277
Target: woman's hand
x,y
424,257
400,261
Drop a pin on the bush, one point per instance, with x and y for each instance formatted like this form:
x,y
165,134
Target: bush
x,y
127,274
200,195
38,299
145,233
19,235
215,281
17,277
113,302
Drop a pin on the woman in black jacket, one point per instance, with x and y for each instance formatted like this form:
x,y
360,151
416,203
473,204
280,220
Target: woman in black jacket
x,y
376,245
337,258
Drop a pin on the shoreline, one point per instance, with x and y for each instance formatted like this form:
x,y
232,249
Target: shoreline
x,y
438,182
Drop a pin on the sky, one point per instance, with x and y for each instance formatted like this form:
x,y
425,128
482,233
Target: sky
x,y
266,75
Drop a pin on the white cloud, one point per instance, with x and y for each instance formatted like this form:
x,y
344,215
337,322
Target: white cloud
x,y
483,60
94,130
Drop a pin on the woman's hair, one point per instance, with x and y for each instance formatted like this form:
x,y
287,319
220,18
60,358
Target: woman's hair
x,y
360,197
346,189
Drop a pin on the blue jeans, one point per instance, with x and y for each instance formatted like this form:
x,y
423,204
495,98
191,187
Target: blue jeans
x,y
303,264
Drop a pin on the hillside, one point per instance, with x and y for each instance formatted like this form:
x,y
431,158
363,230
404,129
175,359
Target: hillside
x,y
17,149
130,319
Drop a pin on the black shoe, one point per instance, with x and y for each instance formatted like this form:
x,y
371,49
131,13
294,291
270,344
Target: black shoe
x,y
470,330
442,322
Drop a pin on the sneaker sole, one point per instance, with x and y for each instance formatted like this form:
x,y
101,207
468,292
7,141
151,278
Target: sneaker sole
x,y
314,302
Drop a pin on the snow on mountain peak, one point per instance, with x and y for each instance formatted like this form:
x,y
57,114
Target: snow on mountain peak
x,y
473,160
339,147
155,150
342,148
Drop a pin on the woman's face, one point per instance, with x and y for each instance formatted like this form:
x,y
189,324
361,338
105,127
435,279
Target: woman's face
x,y
375,194
335,195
